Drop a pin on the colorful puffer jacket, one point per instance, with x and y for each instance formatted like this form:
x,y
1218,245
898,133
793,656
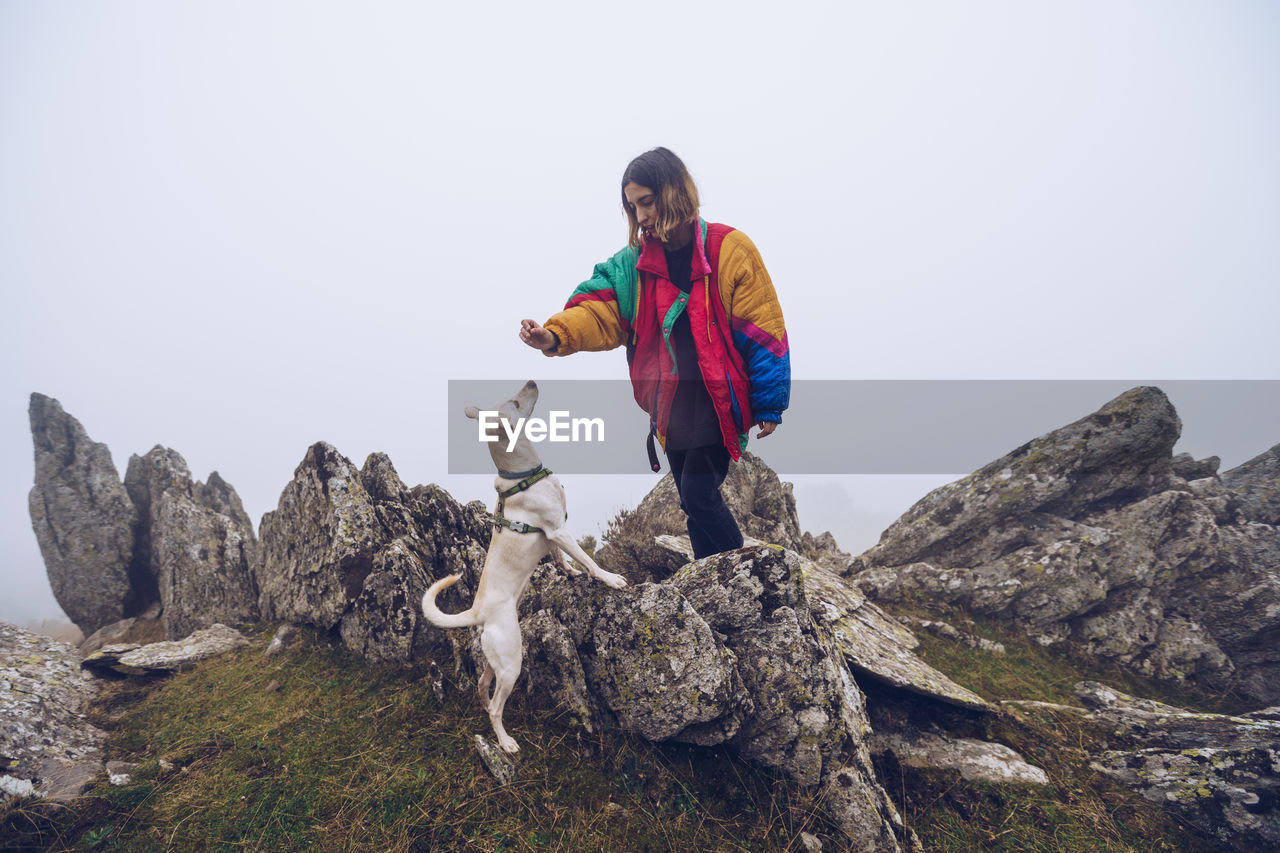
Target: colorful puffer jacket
x,y
733,312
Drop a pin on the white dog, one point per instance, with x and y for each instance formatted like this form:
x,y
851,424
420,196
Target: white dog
x,y
528,523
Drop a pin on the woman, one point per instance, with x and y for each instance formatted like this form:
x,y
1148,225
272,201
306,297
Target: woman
x,y
706,345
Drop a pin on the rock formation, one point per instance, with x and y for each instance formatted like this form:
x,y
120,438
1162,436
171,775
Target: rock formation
x,y
354,550
114,551
167,655
196,541
84,522
1092,538
46,747
764,506
728,650
1218,772
1086,538
1256,484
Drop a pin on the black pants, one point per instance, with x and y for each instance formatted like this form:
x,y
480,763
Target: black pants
x,y
698,473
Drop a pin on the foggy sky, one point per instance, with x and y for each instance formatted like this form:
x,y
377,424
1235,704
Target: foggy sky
x,y
238,228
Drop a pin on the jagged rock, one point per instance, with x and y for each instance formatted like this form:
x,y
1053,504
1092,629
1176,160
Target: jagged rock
x,y
146,478
167,655
107,659
764,507
875,643
810,842
13,787
728,651
1168,583
1235,600
800,698
1221,773
824,550
1256,484
318,544
552,665
872,641
219,495
434,536
497,762
1118,454
1188,467
808,717
976,760
381,621
45,743
682,546
84,522
650,663
196,541
355,550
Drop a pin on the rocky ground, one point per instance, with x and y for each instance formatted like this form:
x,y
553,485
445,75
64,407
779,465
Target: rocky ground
x,y
1093,540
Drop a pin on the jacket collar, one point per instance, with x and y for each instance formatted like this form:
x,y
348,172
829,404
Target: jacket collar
x,y
653,258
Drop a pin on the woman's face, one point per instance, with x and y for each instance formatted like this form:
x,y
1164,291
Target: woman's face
x,y
644,204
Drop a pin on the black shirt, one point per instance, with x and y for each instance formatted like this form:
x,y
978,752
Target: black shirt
x,y
693,420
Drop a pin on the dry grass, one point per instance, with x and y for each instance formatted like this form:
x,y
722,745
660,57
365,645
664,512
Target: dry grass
x,y
1080,810
343,756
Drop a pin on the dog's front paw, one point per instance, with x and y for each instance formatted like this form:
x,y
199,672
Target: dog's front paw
x,y
615,581
508,743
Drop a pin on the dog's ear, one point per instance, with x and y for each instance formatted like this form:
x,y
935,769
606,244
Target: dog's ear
x,y
472,412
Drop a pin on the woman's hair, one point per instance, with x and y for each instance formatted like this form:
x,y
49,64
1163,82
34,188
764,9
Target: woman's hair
x,y
663,172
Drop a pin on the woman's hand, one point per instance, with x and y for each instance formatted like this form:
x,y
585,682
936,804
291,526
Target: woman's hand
x,y
537,337
766,428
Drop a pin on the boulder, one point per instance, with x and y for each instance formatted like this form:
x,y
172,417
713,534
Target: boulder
x,y
498,763
196,541
1256,484
975,760
46,747
1220,773
1188,467
873,642
318,544
726,651
647,661
165,656
84,521
353,550
1171,582
1118,454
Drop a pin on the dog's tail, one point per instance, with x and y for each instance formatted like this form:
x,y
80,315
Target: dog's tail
x,y
438,617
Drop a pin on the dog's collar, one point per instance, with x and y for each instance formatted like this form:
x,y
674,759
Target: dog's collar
x,y
520,475
527,479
